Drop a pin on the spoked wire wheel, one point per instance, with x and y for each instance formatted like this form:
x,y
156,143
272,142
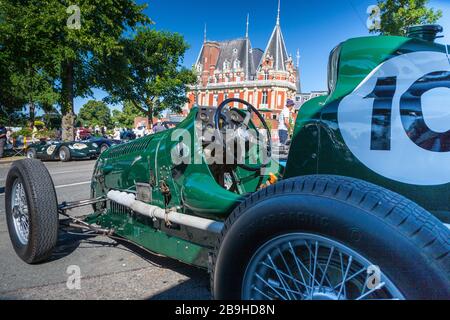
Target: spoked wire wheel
x,y
311,267
20,214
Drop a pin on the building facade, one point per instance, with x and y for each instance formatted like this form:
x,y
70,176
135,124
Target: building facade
x,y
234,69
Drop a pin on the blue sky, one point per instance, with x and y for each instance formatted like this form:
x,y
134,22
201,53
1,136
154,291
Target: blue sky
x,y
314,27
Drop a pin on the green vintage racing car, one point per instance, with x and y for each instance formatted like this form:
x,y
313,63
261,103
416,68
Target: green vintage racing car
x,y
360,211
67,151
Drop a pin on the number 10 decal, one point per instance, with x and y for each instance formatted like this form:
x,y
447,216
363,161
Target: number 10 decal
x,y
411,113
397,121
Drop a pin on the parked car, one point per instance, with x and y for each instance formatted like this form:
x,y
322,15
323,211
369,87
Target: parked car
x,y
67,151
359,211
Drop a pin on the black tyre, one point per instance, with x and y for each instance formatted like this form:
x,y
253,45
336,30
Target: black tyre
x,y
31,211
103,148
64,154
307,238
31,153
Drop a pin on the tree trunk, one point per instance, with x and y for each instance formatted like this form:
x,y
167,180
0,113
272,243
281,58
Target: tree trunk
x,y
68,120
150,114
150,117
32,113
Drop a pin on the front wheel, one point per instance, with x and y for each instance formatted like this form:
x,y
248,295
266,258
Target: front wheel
x,y
331,238
64,154
31,153
31,210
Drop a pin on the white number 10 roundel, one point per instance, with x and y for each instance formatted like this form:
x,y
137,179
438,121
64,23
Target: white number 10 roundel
x,y
397,121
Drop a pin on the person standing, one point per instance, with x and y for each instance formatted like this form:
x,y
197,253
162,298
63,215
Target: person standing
x,y
284,125
159,127
3,133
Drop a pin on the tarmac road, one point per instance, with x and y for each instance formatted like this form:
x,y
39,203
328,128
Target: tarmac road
x,y
108,270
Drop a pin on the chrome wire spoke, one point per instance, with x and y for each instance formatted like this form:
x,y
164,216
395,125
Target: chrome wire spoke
x,y
289,277
306,266
301,264
19,208
379,287
287,268
262,293
344,280
324,273
279,277
298,265
353,276
271,287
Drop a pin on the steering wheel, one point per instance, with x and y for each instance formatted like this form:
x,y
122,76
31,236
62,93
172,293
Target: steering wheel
x,y
223,122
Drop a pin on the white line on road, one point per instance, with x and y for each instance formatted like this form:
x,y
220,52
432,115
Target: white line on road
x,y
60,172
73,185
65,186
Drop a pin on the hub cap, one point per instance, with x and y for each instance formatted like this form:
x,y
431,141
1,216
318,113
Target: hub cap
x,y
62,155
19,209
309,267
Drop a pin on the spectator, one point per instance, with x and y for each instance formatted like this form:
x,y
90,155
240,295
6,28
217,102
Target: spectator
x,y
116,134
3,133
284,125
159,127
78,135
59,134
33,135
9,138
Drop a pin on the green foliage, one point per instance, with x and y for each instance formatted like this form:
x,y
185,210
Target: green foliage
x,y
95,113
125,118
397,15
24,132
49,61
148,73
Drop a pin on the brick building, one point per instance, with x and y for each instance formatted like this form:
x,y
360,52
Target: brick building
x,y
235,69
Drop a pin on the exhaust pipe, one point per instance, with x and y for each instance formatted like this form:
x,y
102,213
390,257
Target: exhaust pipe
x,y
129,200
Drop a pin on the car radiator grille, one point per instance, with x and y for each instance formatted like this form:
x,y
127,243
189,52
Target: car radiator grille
x,y
129,148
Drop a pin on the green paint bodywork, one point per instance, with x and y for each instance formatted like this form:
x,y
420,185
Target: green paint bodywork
x,y
318,133
50,150
317,148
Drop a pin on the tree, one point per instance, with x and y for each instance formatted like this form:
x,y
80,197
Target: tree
x,y
41,33
125,118
95,113
398,15
149,73
24,80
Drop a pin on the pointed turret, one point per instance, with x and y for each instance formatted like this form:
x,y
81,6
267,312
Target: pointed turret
x,y
276,48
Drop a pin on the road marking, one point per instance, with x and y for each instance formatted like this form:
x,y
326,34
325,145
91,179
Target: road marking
x,y
73,185
73,171
60,172
65,186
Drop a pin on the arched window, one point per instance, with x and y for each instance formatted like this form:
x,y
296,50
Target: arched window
x,y
237,64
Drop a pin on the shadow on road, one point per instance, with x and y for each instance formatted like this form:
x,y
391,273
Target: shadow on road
x,y
198,278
